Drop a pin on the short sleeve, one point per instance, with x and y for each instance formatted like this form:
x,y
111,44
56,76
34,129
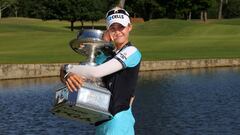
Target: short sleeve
x,y
129,57
100,58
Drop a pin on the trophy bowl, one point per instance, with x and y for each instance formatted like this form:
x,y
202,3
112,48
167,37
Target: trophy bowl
x,y
89,42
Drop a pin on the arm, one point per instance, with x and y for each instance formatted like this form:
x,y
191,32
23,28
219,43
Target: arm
x,y
104,69
128,57
76,74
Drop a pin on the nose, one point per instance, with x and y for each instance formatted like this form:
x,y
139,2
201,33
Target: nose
x,y
115,31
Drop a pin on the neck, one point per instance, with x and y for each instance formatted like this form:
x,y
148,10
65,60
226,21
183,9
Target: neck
x,y
119,46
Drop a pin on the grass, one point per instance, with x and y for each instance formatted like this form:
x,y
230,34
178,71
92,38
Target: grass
x,y
24,40
178,39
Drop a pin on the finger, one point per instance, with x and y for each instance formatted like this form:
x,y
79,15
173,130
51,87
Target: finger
x,y
71,84
79,80
75,82
69,88
111,37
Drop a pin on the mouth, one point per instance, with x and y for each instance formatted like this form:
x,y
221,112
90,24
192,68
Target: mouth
x,y
119,36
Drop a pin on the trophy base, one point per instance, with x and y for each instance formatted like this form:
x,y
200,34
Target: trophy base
x,y
81,114
89,104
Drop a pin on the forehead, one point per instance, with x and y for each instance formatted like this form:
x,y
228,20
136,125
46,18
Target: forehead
x,y
116,25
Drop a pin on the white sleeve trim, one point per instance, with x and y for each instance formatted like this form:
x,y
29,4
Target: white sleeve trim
x,y
104,69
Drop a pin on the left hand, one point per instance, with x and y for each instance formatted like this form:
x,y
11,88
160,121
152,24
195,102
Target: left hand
x,y
74,82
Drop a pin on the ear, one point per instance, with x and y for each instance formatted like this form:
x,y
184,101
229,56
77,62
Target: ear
x,y
129,27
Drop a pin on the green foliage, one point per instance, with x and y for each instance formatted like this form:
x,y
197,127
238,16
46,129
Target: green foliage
x,y
232,9
74,10
4,4
27,8
204,4
182,8
147,8
93,10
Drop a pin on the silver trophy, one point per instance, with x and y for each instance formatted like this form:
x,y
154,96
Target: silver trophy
x,y
91,102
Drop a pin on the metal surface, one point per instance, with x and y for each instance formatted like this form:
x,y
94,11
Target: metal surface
x,y
90,103
89,43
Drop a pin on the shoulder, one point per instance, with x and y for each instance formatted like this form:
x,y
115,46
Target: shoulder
x,y
130,56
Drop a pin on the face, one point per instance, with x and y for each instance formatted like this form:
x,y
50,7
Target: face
x,y
119,34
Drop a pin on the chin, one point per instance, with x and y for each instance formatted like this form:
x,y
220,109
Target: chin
x,y
119,41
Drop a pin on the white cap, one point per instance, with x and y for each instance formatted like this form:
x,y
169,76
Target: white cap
x,y
117,15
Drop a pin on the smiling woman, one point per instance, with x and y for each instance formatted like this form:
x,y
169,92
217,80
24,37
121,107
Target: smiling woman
x,y
119,74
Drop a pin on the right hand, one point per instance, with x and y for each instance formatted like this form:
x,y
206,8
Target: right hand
x,y
106,36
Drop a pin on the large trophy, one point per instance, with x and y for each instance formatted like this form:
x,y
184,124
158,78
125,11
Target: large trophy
x,y
91,102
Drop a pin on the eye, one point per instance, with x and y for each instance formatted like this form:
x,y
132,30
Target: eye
x,y
121,27
116,27
111,29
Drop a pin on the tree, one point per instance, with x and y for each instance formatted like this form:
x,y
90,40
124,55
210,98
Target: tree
x,y
220,9
144,8
70,10
187,7
184,8
95,10
5,4
15,7
203,6
231,9
74,10
29,8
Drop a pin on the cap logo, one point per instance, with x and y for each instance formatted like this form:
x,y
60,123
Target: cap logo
x,y
116,17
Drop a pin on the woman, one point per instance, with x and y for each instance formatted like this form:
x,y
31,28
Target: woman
x,y
119,74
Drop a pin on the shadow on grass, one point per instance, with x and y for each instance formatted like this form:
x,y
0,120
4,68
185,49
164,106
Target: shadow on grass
x,y
87,27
